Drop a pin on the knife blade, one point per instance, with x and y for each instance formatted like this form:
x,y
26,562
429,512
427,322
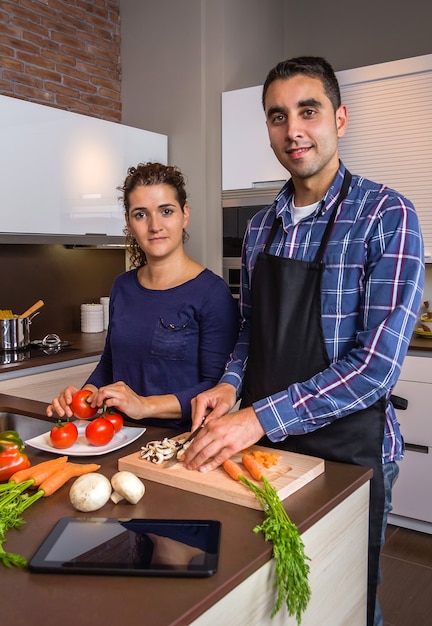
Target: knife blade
x,y
174,459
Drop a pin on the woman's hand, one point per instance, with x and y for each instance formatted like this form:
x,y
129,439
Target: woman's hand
x,y
122,397
61,404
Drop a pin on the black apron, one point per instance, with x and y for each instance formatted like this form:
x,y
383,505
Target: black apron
x,y
287,346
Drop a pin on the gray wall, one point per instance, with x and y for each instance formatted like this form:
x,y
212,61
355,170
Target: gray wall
x,y
178,57
354,34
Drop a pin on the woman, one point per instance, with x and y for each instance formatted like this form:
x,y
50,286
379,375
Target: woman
x,y
173,323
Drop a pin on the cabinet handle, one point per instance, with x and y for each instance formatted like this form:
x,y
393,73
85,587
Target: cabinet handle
x,y
398,402
416,447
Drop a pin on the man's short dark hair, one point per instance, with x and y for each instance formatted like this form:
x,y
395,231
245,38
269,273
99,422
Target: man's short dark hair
x,y
315,67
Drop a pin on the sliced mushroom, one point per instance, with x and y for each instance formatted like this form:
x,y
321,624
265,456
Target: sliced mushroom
x,y
161,450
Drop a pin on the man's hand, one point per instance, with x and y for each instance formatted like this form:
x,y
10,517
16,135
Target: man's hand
x,y
212,403
222,437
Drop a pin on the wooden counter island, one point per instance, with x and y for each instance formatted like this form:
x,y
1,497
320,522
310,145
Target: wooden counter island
x,y
331,513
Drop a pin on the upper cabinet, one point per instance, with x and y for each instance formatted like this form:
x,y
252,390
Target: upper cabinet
x,y
247,159
59,171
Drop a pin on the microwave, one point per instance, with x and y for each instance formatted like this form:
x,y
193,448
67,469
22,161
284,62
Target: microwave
x,y
238,206
231,269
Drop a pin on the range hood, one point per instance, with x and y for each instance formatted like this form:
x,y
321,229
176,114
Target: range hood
x,y
258,195
89,240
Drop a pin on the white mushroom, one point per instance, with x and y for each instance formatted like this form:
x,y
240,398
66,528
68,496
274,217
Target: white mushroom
x,y
161,450
90,492
127,486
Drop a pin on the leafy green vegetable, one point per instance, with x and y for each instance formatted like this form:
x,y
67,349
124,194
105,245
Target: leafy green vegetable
x,y
292,569
13,502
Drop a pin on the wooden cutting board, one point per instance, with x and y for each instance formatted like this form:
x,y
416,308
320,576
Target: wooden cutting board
x,y
292,472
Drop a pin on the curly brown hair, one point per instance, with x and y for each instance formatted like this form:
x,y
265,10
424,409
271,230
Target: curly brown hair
x,y
145,174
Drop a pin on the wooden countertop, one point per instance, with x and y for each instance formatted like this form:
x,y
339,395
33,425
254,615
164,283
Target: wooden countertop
x,y
98,600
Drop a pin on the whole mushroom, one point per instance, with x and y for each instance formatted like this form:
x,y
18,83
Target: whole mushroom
x,y
90,492
127,486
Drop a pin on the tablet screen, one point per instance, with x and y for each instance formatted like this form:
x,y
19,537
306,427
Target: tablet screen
x,y
138,547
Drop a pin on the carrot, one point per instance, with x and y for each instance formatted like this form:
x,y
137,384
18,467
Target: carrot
x,y
232,469
65,473
268,459
253,467
39,472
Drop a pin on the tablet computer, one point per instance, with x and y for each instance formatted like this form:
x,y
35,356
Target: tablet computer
x,y
135,547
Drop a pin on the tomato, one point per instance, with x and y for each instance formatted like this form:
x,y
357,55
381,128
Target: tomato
x,y
99,432
80,406
114,417
63,434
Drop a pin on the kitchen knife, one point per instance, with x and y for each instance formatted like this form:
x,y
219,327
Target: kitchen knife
x,y
174,459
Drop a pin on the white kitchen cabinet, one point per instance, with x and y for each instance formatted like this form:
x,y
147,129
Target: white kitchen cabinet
x,y
412,493
59,171
247,157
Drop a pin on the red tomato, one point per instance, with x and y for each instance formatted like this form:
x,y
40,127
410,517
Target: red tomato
x,y
80,406
63,434
115,418
99,432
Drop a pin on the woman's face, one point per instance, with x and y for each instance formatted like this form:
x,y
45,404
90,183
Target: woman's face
x,y
156,220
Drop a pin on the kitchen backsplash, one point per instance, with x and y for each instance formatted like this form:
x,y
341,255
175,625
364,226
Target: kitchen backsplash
x,y
63,278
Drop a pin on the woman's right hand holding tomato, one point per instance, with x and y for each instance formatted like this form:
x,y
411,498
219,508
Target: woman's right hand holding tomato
x,y
120,396
71,401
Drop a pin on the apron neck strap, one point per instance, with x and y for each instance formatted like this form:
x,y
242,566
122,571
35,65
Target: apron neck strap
x,y
320,253
275,227
342,195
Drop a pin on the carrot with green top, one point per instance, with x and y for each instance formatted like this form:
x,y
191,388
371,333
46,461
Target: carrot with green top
x,y
63,474
39,472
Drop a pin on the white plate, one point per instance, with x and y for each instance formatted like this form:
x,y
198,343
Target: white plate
x,y
420,332
81,447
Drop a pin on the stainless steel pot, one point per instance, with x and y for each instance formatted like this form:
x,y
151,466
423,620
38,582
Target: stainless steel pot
x,y
15,332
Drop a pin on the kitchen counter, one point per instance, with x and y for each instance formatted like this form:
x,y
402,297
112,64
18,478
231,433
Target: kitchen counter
x,y
87,346
84,347
244,555
420,345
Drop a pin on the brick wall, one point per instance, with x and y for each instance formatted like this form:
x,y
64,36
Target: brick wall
x,y
62,53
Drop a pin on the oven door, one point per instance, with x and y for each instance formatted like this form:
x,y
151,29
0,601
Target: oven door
x,y
231,274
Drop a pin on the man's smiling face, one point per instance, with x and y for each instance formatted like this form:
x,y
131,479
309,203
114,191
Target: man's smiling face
x,y
304,128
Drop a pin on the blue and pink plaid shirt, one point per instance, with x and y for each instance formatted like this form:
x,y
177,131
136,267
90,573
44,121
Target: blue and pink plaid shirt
x,y
371,290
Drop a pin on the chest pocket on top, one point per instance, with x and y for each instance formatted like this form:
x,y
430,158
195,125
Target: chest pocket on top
x,y
170,340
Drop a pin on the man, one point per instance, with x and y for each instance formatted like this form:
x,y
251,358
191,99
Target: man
x,y
332,277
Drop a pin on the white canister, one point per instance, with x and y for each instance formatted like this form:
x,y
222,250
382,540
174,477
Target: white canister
x,y
105,303
92,318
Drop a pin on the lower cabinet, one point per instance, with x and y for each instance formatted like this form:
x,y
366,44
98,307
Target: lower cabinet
x,y
412,493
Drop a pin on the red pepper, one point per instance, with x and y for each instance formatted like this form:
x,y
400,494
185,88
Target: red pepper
x,y
12,455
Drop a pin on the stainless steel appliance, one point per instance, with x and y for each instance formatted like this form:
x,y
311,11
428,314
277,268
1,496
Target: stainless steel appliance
x,y
48,346
238,207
